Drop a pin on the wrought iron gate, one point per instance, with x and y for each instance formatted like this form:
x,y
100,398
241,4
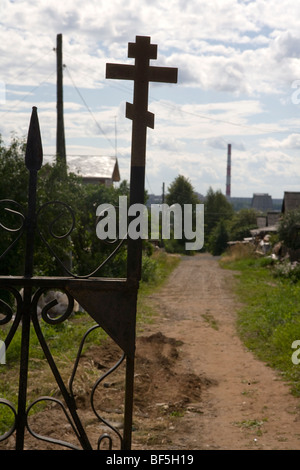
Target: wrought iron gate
x,y
110,302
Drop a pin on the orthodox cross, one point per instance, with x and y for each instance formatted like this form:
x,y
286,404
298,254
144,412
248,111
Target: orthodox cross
x,y
142,73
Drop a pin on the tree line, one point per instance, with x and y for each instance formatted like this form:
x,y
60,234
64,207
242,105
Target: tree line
x,y
83,251
221,222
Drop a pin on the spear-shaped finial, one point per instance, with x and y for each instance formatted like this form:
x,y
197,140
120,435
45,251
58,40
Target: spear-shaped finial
x,y
34,149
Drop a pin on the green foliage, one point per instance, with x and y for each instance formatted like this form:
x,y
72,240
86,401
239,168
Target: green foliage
x,y
14,187
175,246
217,208
269,322
82,251
241,223
180,192
289,228
218,239
12,170
217,214
287,270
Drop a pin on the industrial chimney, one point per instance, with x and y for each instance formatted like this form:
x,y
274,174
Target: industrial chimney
x,y
228,176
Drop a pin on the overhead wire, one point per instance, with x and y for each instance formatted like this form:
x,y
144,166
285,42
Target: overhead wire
x,y
162,103
27,94
23,72
87,107
34,88
223,121
122,87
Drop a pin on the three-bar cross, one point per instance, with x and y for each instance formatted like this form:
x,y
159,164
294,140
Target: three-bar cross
x,y
142,73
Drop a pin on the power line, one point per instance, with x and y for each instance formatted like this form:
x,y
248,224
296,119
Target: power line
x,y
27,94
88,108
210,118
203,116
31,65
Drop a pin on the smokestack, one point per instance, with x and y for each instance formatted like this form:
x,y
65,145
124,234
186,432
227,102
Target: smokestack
x,y
228,176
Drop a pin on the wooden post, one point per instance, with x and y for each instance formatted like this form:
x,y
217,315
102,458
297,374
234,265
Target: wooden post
x,y
60,128
141,73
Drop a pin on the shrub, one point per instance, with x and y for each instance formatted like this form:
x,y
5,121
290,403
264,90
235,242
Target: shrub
x,y
289,228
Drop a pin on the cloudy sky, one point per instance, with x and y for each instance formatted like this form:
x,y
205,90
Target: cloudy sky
x,y
239,82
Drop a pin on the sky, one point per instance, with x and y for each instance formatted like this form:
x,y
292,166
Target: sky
x,y
238,82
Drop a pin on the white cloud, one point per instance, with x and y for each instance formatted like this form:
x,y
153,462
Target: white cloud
x,y
236,60
292,141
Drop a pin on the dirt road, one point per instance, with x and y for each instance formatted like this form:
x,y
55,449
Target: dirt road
x,y
242,404
196,385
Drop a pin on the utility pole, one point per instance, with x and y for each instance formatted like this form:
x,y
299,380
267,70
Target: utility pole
x,y
228,174
60,128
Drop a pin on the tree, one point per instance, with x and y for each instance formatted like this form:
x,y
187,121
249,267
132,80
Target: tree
x,y
181,192
14,177
218,239
241,223
289,229
216,208
77,200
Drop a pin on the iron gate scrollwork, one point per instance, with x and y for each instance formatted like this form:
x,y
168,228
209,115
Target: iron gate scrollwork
x,y
111,302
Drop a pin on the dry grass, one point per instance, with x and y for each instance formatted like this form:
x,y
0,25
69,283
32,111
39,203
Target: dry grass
x,y
238,252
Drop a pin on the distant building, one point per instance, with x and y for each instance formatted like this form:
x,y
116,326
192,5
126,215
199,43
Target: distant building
x,y
261,221
266,224
262,202
96,170
273,218
291,201
153,199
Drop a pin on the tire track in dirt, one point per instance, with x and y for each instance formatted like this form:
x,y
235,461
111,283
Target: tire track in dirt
x,y
246,405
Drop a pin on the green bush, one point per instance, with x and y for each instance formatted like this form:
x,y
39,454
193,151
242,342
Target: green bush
x,y
149,268
289,229
218,239
287,270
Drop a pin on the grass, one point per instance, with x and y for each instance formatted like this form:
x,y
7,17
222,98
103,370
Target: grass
x,y
64,339
210,320
252,425
164,265
269,321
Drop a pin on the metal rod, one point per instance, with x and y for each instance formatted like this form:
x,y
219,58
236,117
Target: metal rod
x,y
25,341
128,412
60,129
33,161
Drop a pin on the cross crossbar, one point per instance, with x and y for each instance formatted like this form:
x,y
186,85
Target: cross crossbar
x,y
128,72
141,73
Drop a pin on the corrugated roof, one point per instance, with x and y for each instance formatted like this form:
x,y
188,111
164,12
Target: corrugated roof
x,y
101,167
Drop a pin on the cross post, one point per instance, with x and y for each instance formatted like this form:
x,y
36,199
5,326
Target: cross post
x,y
141,73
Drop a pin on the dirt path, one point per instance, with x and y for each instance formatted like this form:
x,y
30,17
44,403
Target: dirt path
x,y
243,403
196,385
